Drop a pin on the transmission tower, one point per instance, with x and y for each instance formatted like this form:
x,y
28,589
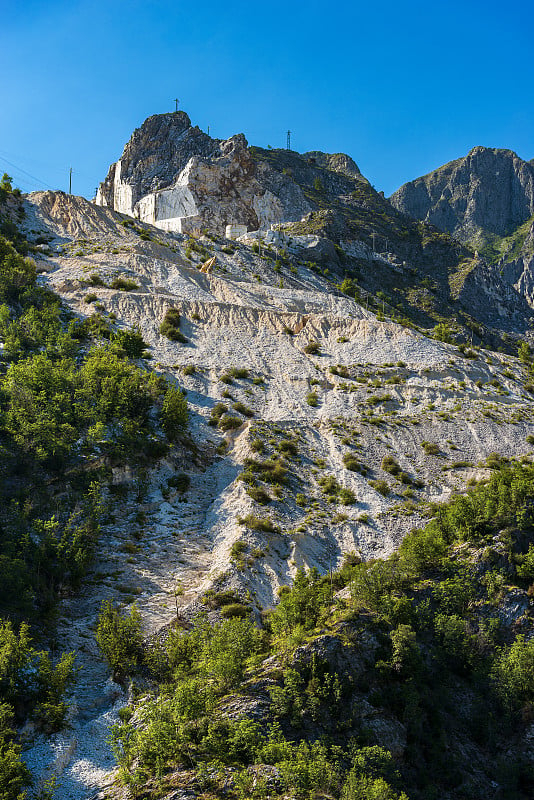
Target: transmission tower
x,y
176,101
288,140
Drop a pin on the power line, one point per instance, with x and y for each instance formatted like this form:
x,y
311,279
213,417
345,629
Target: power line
x,y
24,172
32,161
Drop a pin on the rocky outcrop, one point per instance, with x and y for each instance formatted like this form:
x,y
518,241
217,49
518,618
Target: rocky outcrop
x,y
178,178
519,271
487,193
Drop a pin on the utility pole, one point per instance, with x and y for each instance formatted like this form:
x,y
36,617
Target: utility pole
x,y
176,101
70,180
208,130
288,147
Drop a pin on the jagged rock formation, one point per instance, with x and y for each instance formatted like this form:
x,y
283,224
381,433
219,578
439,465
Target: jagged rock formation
x,y
488,193
486,200
176,177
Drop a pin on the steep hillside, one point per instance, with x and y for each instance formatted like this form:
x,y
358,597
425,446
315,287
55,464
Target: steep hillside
x,y
323,425
288,381
176,177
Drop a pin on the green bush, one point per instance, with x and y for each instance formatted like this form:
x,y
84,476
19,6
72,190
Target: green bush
x,y
259,494
174,414
130,342
170,326
227,422
382,487
124,284
118,636
241,408
351,462
259,523
181,482
233,610
430,448
96,280
389,464
312,348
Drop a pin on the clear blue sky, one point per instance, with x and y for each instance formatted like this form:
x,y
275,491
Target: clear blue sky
x,y
401,87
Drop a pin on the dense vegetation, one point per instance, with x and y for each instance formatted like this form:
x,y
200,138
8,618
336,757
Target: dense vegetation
x,y
72,404
419,684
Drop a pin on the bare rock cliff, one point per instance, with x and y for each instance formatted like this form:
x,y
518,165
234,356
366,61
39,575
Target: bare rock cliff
x,y
488,192
176,177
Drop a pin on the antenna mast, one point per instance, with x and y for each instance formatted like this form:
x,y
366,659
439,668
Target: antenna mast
x,y
288,140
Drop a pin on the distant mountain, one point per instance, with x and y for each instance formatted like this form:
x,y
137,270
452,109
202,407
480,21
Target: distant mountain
x,y
486,195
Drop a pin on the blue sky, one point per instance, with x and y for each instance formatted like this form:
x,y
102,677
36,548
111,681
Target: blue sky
x,y
400,87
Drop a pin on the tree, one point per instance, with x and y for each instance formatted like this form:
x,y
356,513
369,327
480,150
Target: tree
x,y
302,604
174,412
442,333
6,182
119,638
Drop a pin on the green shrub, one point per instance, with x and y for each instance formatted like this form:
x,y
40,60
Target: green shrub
x,y
312,399
351,462
272,470
241,408
90,298
131,342
237,551
227,422
29,681
174,414
346,496
124,284
430,448
312,348
234,610
259,494
381,486
96,280
259,523
119,638
287,448
170,327
301,605
422,550
181,482
389,464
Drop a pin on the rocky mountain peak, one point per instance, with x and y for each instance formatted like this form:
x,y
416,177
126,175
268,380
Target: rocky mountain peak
x,y
175,176
487,193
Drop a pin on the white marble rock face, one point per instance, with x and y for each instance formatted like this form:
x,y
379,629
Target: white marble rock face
x,y
173,176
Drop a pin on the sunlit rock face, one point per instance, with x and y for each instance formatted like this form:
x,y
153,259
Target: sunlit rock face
x,y
487,193
174,176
